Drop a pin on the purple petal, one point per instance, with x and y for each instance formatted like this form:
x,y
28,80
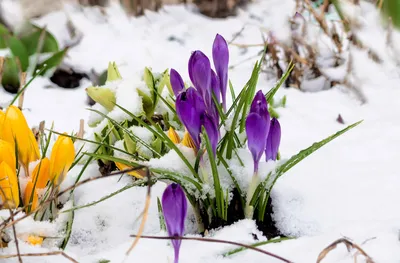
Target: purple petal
x,y
273,140
200,74
259,104
215,86
257,128
176,81
174,206
221,61
189,108
211,129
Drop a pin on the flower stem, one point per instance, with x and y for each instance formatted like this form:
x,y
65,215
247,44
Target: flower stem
x,y
249,210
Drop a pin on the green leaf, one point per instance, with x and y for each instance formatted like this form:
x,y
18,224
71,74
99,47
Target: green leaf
x,y
31,38
258,244
157,145
10,76
18,50
298,158
3,34
139,182
219,194
270,94
53,61
68,227
161,215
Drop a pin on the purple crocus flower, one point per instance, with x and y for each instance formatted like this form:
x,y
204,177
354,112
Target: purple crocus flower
x,y
260,105
211,129
221,60
273,140
257,127
200,75
174,207
176,81
189,108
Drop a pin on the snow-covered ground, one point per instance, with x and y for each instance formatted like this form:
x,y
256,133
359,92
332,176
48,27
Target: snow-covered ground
x,y
349,188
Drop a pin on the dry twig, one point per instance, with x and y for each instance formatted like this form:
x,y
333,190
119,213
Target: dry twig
x,y
349,245
212,240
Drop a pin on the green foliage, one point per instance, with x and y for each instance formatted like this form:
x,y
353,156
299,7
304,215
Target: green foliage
x,y
213,207
391,9
26,50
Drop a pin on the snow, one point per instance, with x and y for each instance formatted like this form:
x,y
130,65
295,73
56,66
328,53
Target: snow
x,y
347,188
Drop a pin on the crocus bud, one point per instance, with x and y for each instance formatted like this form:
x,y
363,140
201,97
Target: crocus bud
x,y
174,207
257,127
9,190
221,60
176,81
41,173
113,72
173,136
200,75
7,154
273,140
30,204
102,95
189,108
260,105
61,159
137,173
15,130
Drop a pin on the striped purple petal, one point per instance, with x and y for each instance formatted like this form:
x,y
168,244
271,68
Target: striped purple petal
x,y
273,141
220,53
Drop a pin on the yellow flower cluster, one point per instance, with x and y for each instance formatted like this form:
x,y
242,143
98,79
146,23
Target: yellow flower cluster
x,y
18,148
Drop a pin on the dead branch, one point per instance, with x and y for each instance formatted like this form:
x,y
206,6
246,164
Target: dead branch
x,y
349,245
212,240
54,253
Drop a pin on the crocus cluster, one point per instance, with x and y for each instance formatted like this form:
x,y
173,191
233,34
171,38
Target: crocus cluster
x,y
195,106
174,207
263,134
16,137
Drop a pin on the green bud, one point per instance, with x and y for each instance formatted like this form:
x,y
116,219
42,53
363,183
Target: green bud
x,y
148,105
102,95
157,145
113,72
130,145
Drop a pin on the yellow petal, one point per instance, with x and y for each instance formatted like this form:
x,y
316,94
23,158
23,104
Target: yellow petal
x,y
9,192
15,129
61,159
41,173
35,240
173,136
137,173
188,141
27,197
7,154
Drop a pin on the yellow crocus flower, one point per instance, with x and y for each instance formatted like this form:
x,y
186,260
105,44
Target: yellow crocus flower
x,y
7,154
35,240
188,141
27,197
173,136
9,192
137,173
61,159
41,173
14,130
